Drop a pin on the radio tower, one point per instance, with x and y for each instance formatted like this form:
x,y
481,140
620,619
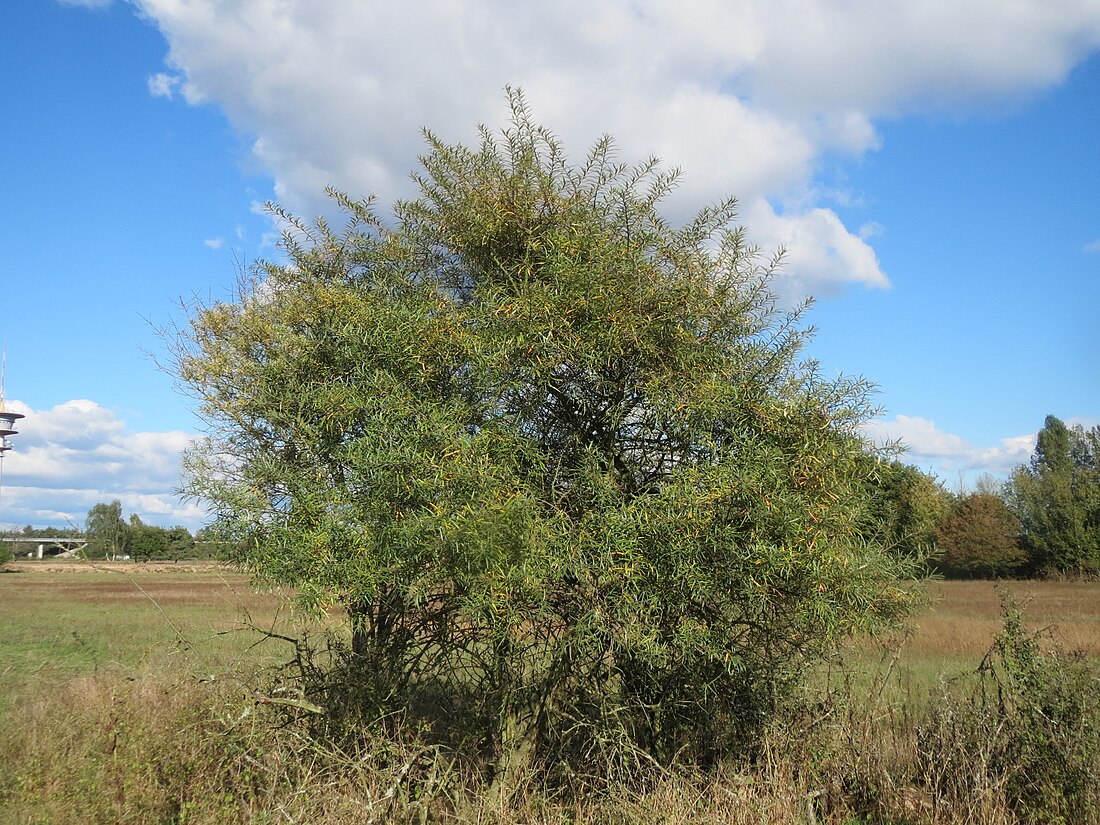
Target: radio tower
x,y
7,420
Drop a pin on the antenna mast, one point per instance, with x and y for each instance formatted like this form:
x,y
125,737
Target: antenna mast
x,y
7,419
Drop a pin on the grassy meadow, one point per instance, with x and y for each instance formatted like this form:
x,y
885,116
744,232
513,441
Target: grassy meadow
x,y
66,620
953,633
129,693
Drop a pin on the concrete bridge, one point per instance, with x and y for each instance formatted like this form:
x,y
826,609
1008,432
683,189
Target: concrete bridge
x,y
39,546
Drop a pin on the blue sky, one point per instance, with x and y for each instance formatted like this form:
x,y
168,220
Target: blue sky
x,y
932,169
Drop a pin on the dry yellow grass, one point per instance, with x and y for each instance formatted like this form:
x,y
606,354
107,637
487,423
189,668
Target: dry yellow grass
x,y
207,587
964,616
109,721
126,567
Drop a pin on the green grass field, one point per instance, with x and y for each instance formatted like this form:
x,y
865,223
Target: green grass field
x,y
128,694
60,621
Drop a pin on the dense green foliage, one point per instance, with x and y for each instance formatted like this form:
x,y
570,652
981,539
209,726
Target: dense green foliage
x,y
150,543
560,461
1057,498
146,541
906,507
980,538
1045,520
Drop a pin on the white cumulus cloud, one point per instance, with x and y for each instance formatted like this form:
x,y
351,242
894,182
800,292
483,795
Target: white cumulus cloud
x,y
70,457
745,95
163,85
947,454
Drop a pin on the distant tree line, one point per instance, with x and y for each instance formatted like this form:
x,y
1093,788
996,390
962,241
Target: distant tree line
x,y
1043,521
49,532
10,549
109,535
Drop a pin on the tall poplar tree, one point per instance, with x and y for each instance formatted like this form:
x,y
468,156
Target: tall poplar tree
x,y
1057,498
